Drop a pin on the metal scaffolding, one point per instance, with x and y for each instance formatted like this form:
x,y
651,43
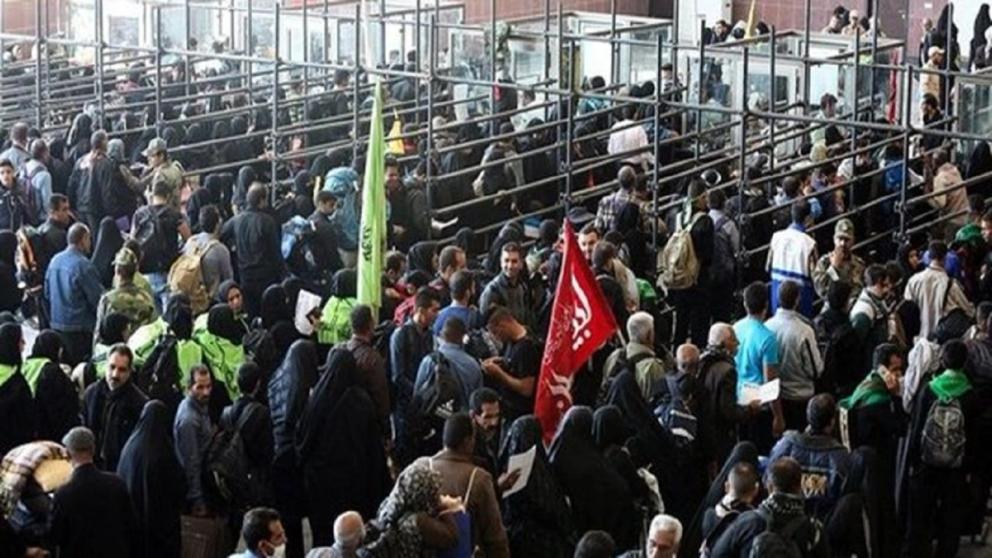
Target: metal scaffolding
x,y
47,88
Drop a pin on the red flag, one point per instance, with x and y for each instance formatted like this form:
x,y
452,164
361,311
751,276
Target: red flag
x,y
581,321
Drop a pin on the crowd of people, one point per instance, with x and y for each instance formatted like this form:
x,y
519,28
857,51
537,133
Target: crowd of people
x,y
174,385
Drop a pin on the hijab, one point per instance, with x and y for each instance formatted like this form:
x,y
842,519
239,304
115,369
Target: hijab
x,y
179,315
48,345
115,151
295,376
421,257
239,126
80,131
113,327
321,164
275,307
980,162
628,224
8,248
246,175
224,289
222,323
221,130
10,344
464,239
608,428
301,184
339,374
199,199
345,283
626,395
108,242
417,490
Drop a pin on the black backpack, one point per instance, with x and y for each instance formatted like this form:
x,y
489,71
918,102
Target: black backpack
x,y
432,404
228,471
675,414
843,361
150,234
159,376
781,543
622,363
723,269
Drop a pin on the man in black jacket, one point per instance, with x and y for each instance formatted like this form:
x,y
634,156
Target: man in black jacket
x,y
409,219
92,174
255,237
719,412
92,514
692,316
781,511
111,408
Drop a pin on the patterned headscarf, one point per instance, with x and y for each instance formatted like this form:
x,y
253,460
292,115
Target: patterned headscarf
x,y
417,490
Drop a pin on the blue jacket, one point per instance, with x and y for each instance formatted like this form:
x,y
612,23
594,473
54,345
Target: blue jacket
x,y
192,432
825,465
73,288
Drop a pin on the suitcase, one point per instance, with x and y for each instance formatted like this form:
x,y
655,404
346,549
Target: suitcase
x,y
205,537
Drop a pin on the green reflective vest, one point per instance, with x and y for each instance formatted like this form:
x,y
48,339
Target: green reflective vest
x,y
32,371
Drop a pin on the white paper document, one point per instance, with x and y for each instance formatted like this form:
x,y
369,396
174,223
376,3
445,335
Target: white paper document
x,y
525,462
305,305
765,393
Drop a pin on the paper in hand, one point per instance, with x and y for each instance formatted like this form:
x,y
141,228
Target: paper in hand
x,y
765,393
525,462
305,305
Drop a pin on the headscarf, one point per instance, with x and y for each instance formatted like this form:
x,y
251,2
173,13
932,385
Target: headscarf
x,y
339,374
10,344
224,289
222,323
982,24
628,223
292,286
608,428
246,175
199,199
274,307
319,167
196,133
171,137
979,163
239,126
8,248
155,480
599,495
417,490
108,242
221,130
48,345
295,376
345,283
464,239
537,515
113,327
658,442
179,315
301,184
80,131
421,257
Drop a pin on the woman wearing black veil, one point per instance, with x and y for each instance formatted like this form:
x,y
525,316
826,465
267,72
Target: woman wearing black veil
x,y
108,243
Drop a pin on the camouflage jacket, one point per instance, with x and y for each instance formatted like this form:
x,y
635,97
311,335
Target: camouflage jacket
x,y
130,300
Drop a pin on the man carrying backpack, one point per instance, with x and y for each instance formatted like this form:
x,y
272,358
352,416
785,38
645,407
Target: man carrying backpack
x,y
941,427
779,526
638,356
687,275
723,269
157,228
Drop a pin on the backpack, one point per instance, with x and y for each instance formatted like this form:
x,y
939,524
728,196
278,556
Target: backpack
x,y
228,470
151,238
781,543
261,349
709,539
943,440
159,375
432,404
843,360
677,261
723,269
186,276
621,364
30,196
955,323
675,414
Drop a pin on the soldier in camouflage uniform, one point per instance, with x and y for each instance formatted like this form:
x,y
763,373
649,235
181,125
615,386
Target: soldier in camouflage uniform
x,y
841,264
127,297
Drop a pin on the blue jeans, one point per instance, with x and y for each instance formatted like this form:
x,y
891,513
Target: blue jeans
x,y
160,289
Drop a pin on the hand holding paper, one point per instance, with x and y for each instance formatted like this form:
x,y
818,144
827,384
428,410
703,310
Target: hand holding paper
x,y
524,462
765,393
306,304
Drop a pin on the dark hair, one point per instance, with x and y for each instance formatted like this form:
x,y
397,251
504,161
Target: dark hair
x,y
425,297
716,199
395,261
458,429
498,315
324,196
123,350
197,370
627,177
512,247
930,100
875,274
800,211
249,377
788,294
448,257
7,163
982,313
603,252
454,330
361,319
161,189
595,544
790,185
839,294
785,475
480,397
743,477
940,157
590,228
954,354
209,218
255,528
461,283
884,353
57,201
820,412
938,250
756,297
256,195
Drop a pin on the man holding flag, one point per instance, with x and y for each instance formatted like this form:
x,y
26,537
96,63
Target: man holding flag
x,y
581,321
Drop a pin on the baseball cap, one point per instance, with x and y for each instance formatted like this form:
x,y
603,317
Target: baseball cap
x,y
844,227
125,256
156,145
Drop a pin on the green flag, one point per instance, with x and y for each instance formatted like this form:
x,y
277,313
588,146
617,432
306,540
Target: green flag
x,y
372,237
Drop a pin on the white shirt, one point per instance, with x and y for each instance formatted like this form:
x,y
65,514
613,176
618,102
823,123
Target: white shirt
x,y
628,139
799,356
928,289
